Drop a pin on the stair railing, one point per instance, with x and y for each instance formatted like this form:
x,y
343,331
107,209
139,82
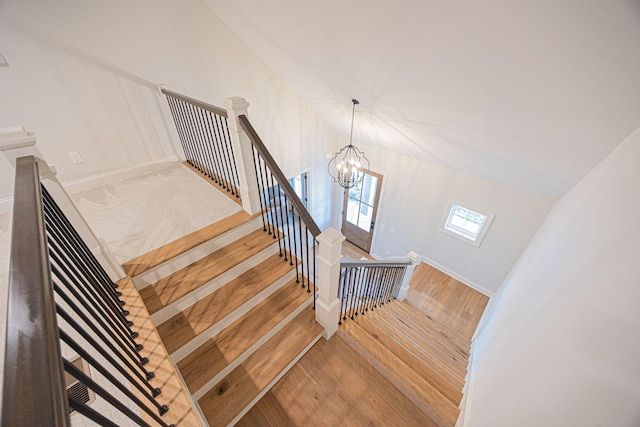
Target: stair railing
x,y
365,285
62,303
203,130
284,215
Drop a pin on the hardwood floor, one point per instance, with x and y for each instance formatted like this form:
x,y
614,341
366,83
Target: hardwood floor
x,y
446,300
351,251
181,411
332,385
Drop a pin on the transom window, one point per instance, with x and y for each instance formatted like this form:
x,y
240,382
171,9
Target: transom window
x,y
469,224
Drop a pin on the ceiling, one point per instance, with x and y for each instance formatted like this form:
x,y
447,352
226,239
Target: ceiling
x,y
530,94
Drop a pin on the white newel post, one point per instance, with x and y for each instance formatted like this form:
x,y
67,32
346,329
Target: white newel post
x,y
237,106
328,304
406,280
16,142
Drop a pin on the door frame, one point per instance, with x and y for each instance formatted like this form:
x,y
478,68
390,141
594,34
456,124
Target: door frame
x,y
383,176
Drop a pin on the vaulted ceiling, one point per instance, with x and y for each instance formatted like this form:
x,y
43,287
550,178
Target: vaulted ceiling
x,y
531,94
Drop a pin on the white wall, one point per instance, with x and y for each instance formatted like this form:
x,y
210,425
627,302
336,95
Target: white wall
x,y
415,197
81,75
558,345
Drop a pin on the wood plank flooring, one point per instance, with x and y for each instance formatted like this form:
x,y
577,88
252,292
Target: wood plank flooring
x,y
332,385
195,319
173,287
181,412
208,360
446,300
224,401
383,352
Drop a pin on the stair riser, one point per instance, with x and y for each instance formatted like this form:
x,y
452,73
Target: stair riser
x,y
213,285
212,331
215,380
274,381
171,266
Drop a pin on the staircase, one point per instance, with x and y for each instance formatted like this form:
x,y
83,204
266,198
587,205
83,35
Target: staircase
x,y
424,359
230,312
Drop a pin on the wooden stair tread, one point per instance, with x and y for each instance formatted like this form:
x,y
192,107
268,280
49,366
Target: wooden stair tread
x,y
176,285
231,395
424,324
171,250
424,364
444,355
209,359
195,319
435,404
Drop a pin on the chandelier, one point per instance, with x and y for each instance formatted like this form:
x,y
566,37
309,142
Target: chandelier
x,y
349,165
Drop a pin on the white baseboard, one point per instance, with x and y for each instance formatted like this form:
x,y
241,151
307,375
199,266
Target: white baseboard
x,y
82,184
6,204
470,283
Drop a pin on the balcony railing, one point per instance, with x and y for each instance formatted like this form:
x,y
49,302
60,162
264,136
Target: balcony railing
x,y
62,304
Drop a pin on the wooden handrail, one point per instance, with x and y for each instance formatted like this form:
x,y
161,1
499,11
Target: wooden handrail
x,y
216,110
372,263
280,178
34,393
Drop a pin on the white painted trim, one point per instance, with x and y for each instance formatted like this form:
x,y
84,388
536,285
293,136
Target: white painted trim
x,y
483,231
274,381
86,183
470,283
421,258
465,404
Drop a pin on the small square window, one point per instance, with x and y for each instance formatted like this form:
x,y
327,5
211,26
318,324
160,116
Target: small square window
x,y
470,225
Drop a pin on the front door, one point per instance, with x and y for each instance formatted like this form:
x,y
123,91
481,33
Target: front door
x,y
359,210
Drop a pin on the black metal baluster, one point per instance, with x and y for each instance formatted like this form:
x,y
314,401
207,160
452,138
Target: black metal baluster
x,y
288,231
89,412
341,281
182,112
91,298
306,243
162,409
295,245
356,276
383,283
178,128
131,354
301,250
200,146
224,157
265,189
53,211
80,270
100,391
373,273
233,156
92,342
396,281
275,213
207,143
397,290
260,189
363,290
